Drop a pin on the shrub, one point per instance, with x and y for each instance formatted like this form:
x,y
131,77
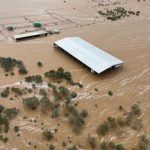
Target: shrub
x,y
72,110
5,139
6,128
22,70
77,123
5,93
48,134
110,93
112,122
79,84
31,102
136,109
67,76
111,145
46,104
3,120
120,108
39,64
144,139
76,118
64,144
63,92
92,142
73,95
136,124
12,74
121,122
7,63
84,113
120,147
43,92
1,137
103,128
16,128
1,108
144,142
104,146
55,113
51,147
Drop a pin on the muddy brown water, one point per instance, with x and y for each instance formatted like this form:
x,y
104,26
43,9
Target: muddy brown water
x,y
127,39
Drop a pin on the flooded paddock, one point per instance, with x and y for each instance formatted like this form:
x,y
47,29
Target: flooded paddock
x,y
127,39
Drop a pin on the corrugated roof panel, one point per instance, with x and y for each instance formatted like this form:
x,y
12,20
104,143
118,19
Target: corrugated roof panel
x,y
93,57
29,34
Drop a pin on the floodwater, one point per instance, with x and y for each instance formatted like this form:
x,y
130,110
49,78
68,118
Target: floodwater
x,y
127,39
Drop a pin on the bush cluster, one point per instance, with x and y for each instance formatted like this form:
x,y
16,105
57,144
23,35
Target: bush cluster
x,y
34,78
104,128
143,143
9,63
5,115
130,118
117,13
111,146
46,104
62,93
17,91
76,118
58,74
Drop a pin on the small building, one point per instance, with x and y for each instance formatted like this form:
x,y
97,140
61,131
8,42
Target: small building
x,y
30,35
10,28
37,24
94,58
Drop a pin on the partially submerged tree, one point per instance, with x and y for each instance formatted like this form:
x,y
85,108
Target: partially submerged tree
x,y
34,78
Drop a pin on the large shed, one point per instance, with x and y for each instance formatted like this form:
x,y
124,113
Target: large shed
x,y
30,35
94,58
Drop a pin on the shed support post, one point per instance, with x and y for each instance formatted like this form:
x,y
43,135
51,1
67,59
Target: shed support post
x,y
92,71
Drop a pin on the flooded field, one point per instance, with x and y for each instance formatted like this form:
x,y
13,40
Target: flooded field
x,y
127,39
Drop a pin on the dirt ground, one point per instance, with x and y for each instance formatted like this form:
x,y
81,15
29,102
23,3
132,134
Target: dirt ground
x,y
127,39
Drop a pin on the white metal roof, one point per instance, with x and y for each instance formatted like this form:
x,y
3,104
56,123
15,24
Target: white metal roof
x,y
93,57
29,34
